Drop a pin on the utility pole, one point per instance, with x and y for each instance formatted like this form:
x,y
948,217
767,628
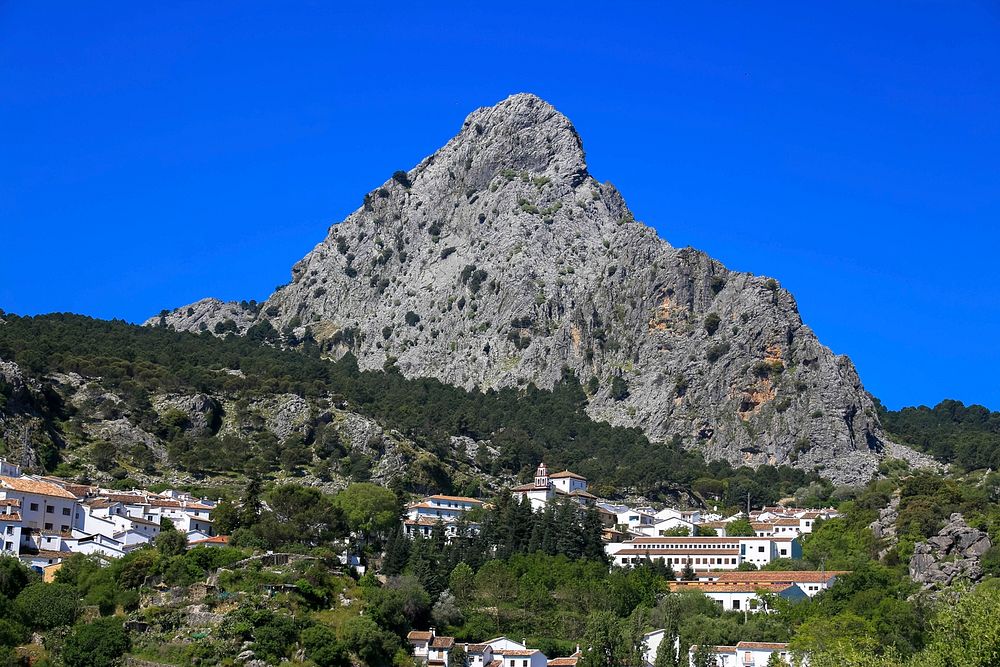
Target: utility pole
x,y
748,505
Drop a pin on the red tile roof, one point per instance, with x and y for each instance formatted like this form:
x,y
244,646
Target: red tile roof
x,y
773,646
419,636
789,577
567,473
28,485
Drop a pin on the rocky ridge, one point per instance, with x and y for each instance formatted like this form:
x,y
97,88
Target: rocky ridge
x,y
500,261
951,555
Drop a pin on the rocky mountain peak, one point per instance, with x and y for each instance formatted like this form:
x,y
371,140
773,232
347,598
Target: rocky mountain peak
x,y
499,261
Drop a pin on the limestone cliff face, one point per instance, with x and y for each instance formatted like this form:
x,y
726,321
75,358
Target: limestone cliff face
x,y
499,260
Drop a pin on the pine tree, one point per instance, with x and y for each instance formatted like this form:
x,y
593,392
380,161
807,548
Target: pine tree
x,y
593,546
397,552
688,574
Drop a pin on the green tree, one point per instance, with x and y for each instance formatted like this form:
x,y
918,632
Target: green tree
x,y
371,643
457,657
740,528
47,606
371,509
603,639
97,644
322,647
171,543
14,576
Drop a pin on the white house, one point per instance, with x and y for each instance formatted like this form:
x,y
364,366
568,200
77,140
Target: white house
x,y
430,648
746,654
478,655
651,642
546,487
422,516
44,505
811,582
520,657
746,597
10,526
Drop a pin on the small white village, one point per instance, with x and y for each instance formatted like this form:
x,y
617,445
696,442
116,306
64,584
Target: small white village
x,y
45,519
725,568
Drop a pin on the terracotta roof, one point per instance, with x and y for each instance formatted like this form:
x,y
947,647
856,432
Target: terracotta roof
x,y
790,577
678,552
216,539
79,489
135,519
28,485
786,522
567,473
563,662
773,646
716,649
420,635
712,587
12,502
581,492
13,517
462,499
495,663
443,642
690,540
424,521
45,553
516,651
477,648
529,487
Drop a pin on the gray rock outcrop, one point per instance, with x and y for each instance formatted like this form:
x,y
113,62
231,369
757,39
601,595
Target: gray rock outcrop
x,y
951,555
500,261
884,527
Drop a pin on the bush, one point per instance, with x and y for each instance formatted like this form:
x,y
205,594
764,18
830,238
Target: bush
x,y
96,644
715,352
619,388
402,178
322,647
712,323
46,606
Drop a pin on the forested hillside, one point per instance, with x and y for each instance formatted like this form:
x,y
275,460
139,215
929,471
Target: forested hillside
x,y
518,428
968,436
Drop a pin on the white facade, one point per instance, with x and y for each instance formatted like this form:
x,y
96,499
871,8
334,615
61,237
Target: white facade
x,y
747,654
422,516
703,553
546,488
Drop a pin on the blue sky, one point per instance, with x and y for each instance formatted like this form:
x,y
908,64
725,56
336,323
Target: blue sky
x,y
153,155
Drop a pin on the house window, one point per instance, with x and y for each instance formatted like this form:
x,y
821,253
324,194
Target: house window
x,y
49,509
64,529
48,526
736,604
65,511
760,549
34,507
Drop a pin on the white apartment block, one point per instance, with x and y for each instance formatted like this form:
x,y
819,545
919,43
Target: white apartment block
x,y
703,553
423,515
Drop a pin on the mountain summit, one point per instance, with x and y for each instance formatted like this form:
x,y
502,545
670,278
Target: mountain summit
x,y
499,261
